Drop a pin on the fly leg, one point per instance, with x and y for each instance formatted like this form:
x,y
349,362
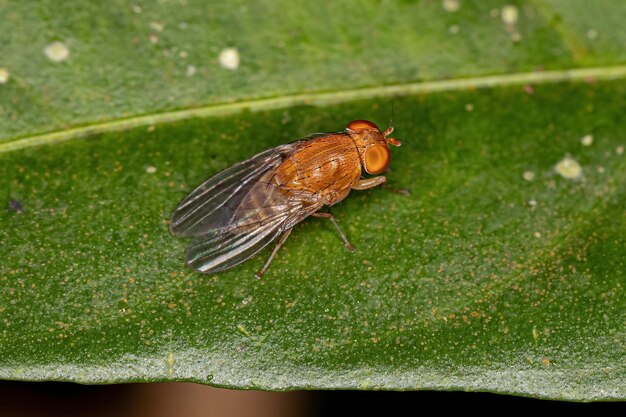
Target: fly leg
x,y
346,243
363,184
280,243
366,183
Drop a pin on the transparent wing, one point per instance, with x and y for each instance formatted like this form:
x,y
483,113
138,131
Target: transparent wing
x,y
212,205
261,216
239,211
223,249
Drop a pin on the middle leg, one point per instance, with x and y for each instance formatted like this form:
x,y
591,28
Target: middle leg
x,y
346,242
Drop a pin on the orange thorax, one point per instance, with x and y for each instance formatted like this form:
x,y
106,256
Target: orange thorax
x,y
327,166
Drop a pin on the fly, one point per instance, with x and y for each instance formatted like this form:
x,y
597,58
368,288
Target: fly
x,y
239,211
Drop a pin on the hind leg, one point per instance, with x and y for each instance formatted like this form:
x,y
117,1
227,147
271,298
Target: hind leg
x,y
280,243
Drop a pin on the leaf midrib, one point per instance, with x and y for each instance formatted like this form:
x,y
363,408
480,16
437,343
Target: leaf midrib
x,y
316,99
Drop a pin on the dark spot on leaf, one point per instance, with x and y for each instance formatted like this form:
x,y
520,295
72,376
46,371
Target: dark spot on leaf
x,y
15,206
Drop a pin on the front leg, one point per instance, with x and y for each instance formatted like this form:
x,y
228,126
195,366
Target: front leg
x,y
366,183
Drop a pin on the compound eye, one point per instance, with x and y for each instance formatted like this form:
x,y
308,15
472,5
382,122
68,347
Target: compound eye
x,y
360,125
377,158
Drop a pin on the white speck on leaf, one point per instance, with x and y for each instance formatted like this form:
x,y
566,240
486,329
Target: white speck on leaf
x,y
532,203
191,70
451,5
57,51
469,107
509,14
157,26
569,168
528,175
229,58
619,150
586,140
4,75
537,235
151,170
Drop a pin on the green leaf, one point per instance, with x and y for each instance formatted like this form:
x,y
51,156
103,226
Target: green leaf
x,y
138,57
499,272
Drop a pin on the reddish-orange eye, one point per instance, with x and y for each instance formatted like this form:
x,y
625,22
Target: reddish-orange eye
x,y
359,125
377,158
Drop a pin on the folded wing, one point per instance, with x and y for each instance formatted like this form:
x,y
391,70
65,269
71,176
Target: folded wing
x,y
239,211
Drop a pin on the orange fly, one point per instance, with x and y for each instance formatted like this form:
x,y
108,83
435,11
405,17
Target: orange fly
x,y
241,210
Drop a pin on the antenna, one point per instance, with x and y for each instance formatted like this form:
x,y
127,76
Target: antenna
x,y
391,119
